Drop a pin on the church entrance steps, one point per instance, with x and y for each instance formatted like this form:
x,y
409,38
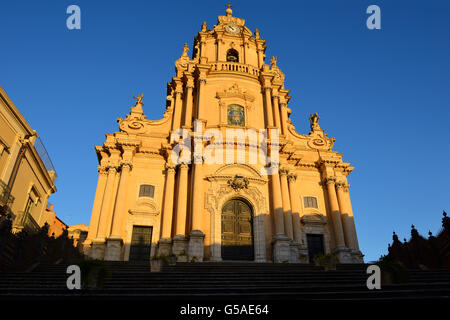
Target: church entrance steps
x,y
214,281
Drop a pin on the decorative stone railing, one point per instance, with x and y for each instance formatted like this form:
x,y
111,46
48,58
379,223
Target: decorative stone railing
x,y
234,67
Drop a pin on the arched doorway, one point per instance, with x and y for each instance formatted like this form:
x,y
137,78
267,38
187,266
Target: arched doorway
x,y
237,230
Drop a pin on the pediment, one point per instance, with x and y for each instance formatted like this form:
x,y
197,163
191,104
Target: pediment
x,y
238,169
145,206
314,218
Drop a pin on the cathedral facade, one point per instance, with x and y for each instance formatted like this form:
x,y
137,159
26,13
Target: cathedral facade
x,y
223,175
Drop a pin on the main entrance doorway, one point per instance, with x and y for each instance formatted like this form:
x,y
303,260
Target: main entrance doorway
x,y
237,231
315,245
141,242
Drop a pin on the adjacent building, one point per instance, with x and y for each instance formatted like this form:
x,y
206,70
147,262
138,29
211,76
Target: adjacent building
x,y
27,176
224,175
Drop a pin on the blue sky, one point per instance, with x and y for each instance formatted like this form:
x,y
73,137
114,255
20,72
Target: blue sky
x,y
383,94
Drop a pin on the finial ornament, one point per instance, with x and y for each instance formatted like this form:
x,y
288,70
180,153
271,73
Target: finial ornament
x,y
229,12
256,33
185,50
204,26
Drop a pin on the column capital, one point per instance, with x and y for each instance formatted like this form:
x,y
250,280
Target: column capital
x,y
340,184
329,180
198,159
292,177
126,165
102,170
284,171
112,168
170,168
183,165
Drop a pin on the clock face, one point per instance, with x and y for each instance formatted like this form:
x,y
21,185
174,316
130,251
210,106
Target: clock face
x,y
232,28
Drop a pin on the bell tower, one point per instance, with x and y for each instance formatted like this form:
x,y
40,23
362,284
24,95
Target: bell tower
x,y
229,59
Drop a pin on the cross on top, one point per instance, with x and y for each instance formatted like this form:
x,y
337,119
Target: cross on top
x,y
229,5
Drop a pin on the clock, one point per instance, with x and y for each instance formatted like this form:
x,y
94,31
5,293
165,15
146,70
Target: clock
x,y
232,28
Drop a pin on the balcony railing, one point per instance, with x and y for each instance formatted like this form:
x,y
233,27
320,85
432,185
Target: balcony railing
x,y
42,152
234,67
24,220
6,199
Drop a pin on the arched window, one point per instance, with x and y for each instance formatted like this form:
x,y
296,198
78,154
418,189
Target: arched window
x,y
235,115
232,55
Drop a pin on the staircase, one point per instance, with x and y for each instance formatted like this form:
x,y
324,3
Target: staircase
x,y
225,281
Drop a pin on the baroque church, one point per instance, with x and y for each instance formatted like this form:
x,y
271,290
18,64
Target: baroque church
x,y
149,203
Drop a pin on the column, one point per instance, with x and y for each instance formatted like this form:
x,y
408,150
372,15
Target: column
x,y
286,204
168,202
276,110
281,243
180,241
120,209
345,216
176,122
99,194
182,199
98,244
277,204
114,242
106,206
295,207
200,107
350,212
196,237
269,115
164,245
335,214
188,103
284,118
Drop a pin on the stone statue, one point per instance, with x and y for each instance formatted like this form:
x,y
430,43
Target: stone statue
x,y
182,62
273,61
139,99
314,119
204,26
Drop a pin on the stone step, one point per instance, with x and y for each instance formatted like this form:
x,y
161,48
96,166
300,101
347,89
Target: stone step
x,y
223,294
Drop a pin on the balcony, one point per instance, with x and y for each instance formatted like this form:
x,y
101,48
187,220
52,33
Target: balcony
x,y
234,67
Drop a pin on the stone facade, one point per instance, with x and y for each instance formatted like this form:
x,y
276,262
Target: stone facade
x,y
223,86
